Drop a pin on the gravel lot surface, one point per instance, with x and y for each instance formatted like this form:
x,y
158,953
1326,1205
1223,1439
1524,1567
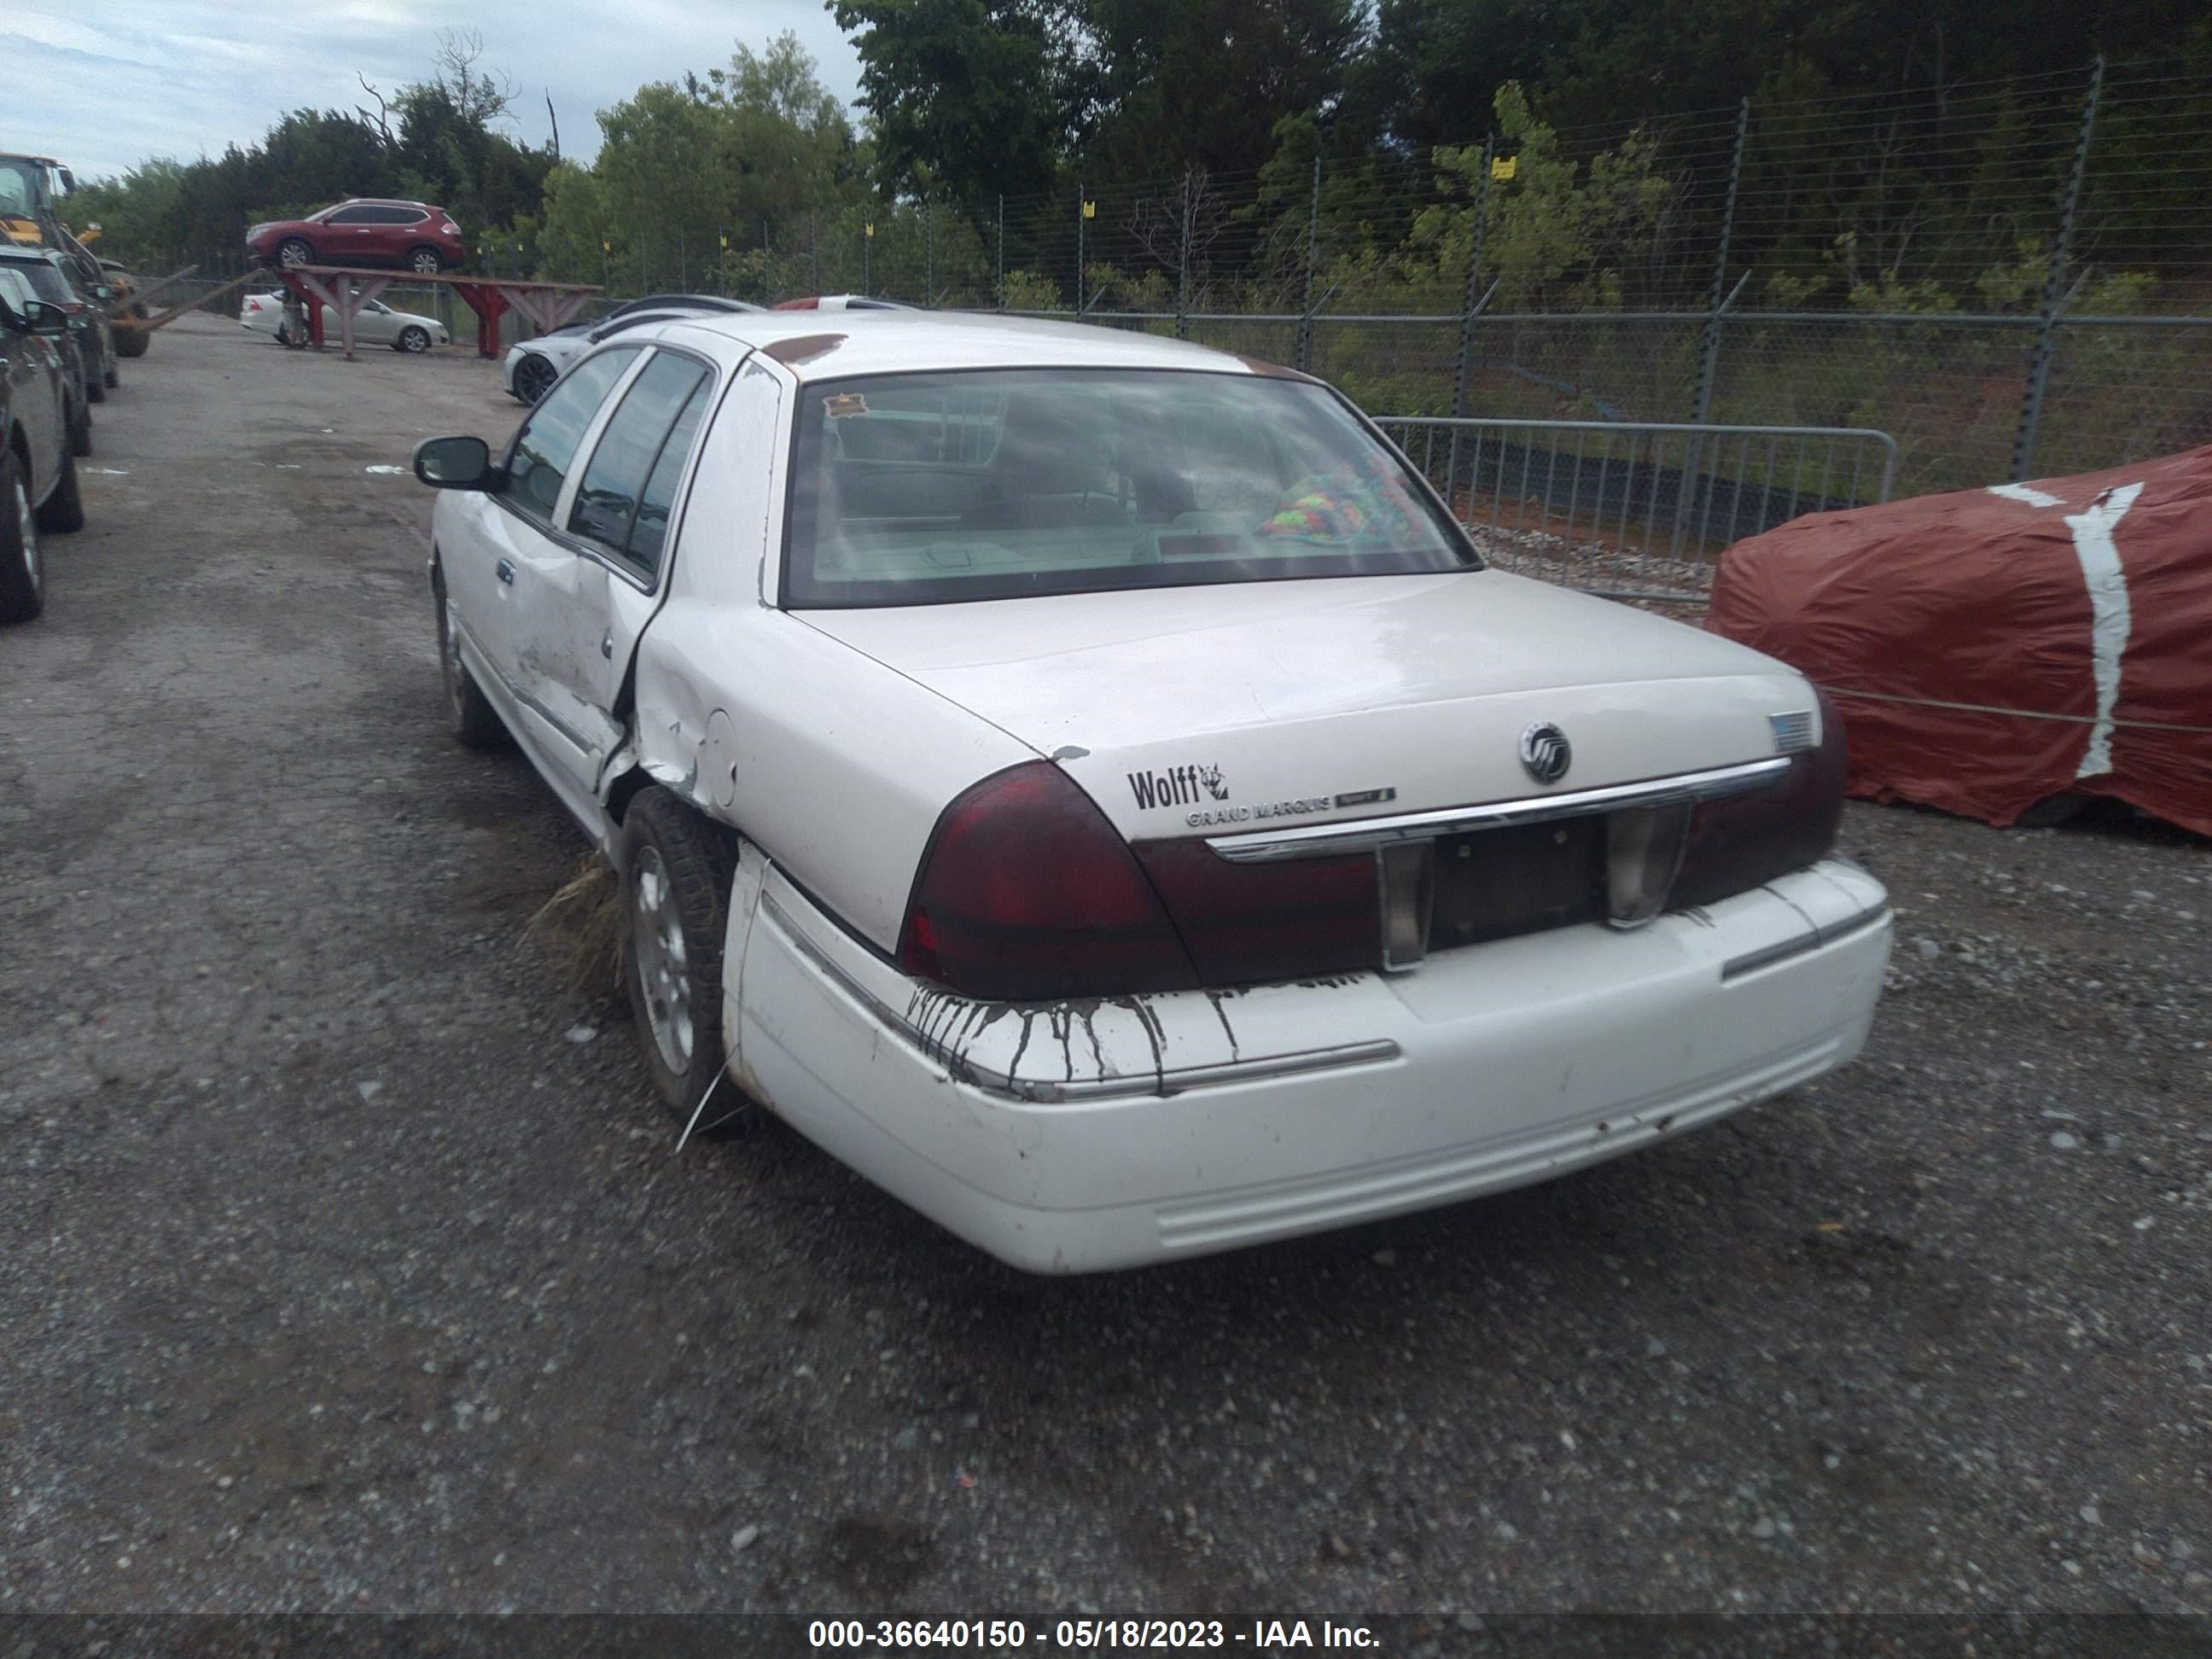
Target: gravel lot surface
x,y
345,1261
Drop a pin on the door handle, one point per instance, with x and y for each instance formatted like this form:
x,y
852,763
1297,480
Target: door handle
x,y
506,571
607,645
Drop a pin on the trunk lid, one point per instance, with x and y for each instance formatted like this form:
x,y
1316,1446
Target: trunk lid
x,y
1215,710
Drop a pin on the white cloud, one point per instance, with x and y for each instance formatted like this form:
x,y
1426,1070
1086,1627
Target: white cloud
x,y
105,84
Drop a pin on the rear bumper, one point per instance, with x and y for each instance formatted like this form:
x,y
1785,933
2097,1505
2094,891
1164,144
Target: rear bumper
x,y
1075,1137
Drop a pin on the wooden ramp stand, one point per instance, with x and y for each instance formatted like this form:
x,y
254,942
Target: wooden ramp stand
x,y
345,290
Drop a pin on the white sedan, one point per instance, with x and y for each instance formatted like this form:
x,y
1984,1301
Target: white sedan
x,y
531,367
1091,786
375,323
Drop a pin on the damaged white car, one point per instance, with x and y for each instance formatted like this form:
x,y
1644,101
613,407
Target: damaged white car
x,y
1089,784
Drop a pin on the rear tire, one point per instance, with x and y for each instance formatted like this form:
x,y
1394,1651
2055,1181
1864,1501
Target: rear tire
x,y
80,430
470,716
95,388
677,869
64,509
22,577
427,260
111,379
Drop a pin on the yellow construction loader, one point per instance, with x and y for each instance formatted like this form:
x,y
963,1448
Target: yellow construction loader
x,y
31,189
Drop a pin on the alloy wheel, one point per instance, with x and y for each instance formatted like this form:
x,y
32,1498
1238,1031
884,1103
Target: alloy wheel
x,y
664,968
449,654
27,528
533,376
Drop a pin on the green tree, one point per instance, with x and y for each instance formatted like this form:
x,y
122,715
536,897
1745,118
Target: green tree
x,y
984,96
682,166
1429,74
1205,83
1561,232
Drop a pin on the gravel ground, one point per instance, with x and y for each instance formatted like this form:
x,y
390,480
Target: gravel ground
x,y
345,1263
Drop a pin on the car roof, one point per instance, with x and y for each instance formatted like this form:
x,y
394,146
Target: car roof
x,y
815,346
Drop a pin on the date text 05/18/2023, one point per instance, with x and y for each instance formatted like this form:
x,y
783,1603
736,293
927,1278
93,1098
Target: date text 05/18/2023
x,y
1088,1634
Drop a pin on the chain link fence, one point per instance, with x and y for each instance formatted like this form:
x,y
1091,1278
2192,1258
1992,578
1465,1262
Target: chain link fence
x,y
2013,279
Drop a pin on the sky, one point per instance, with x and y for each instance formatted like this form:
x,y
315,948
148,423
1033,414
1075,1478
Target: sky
x,y
102,85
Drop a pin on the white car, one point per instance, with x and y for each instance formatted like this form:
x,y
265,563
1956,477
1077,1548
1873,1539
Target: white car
x,y
375,323
531,367
1089,784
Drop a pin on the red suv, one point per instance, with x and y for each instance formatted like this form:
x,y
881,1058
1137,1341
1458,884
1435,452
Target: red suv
x,y
362,230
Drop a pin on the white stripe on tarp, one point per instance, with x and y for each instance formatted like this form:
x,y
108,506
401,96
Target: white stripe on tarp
x,y
2022,493
2110,618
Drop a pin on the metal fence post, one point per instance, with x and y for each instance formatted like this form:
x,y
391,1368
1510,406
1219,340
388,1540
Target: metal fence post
x,y
814,248
1463,370
1182,257
999,287
1313,259
1709,357
2056,297
1710,360
1082,281
928,256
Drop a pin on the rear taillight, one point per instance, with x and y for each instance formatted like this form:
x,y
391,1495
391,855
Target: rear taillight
x,y
1026,892
1245,923
1739,841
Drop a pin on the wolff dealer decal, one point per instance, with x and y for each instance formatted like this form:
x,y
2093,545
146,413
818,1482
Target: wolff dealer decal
x,y
1178,785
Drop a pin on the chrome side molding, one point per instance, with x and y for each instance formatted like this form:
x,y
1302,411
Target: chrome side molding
x,y
1326,840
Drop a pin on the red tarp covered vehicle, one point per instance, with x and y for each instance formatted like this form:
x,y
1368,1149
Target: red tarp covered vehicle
x,y
1994,649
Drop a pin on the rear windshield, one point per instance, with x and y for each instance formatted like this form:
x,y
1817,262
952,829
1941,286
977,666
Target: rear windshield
x,y
45,281
926,489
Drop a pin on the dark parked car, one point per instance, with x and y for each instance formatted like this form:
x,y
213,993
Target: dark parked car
x,y
87,302
362,231
38,474
26,276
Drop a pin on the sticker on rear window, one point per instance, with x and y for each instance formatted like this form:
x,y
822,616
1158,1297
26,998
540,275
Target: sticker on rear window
x,y
843,405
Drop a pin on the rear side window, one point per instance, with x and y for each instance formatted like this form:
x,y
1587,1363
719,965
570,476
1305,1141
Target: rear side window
x,y
632,455
651,529
545,448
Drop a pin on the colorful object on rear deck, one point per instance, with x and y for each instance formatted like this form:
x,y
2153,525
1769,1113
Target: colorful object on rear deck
x,y
1350,502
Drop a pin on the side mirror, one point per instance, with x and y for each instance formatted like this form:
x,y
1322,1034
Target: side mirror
x,y
103,292
456,464
40,318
